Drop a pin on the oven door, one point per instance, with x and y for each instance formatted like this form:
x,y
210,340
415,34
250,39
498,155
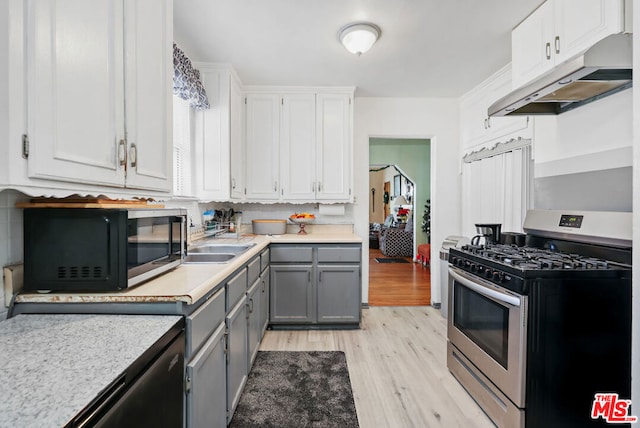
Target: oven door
x,y
487,324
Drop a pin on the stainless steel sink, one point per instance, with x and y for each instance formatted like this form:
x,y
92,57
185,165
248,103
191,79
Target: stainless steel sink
x,y
214,252
219,248
208,258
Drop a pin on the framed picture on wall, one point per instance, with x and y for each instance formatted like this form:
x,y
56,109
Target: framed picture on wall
x,y
397,186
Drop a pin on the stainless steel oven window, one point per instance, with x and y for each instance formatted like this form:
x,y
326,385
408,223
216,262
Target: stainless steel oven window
x,y
483,321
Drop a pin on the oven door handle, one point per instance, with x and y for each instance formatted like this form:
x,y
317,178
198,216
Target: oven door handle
x,y
488,292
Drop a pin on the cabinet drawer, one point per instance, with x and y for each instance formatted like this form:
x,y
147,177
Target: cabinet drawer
x,y
253,270
236,287
291,254
338,254
201,323
264,260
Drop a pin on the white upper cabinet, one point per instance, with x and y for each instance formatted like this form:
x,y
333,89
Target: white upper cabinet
x,y
99,92
476,126
218,142
262,165
211,166
334,147
148,93
237,139
299,146
559,30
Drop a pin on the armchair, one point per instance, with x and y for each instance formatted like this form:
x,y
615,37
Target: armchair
x,y
396,242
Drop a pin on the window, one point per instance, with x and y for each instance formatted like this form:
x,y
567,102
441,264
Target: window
x,y
182,132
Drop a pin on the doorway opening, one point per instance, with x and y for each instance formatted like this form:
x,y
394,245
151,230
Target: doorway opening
x,y
399,179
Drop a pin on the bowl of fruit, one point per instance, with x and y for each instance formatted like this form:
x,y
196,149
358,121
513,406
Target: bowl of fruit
x,y
302,219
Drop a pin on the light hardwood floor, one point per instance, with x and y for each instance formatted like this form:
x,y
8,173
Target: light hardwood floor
x,y
397,367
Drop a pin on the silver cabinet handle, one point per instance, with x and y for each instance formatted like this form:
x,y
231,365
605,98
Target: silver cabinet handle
x,y
485,291
233,183
557,43
488,122
122,153
320,276
319,186
275,186
133,155
548,50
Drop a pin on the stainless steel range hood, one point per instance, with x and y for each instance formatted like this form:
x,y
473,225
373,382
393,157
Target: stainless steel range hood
x,y
604,69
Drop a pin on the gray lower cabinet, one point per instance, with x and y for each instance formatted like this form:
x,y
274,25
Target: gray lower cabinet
x,y
338,301
264,299
315,284
292,294
237,352
254,303
206,384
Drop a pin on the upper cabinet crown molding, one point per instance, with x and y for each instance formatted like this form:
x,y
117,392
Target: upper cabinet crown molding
x,y
558,31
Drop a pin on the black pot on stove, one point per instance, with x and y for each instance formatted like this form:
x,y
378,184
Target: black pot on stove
x,y
513,238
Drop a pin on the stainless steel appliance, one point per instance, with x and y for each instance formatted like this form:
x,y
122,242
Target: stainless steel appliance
x,y
77,249
602,70
489,232
535,331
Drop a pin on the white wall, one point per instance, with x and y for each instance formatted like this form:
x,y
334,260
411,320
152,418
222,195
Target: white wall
x,y
10,236
433,118
594,137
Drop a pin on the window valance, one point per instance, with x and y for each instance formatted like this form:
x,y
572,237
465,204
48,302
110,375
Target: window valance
x,y
186,81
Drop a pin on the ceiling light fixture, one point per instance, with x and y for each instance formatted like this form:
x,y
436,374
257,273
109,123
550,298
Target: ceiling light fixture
x,y
358,37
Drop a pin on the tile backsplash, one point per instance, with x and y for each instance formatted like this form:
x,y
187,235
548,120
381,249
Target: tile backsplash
x,y
11,240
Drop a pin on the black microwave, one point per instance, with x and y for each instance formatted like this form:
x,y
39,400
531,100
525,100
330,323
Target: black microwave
x,y
96,249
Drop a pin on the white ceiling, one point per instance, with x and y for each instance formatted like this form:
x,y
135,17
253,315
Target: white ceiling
x,y
428,48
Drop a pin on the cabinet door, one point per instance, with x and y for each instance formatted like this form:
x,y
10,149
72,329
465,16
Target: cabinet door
x,y
297,147
532,45
264,300
338,294
262,148
207,379
237,140
212,139
236,322
333,147
291,294
254,328
148,95
75,86
582,23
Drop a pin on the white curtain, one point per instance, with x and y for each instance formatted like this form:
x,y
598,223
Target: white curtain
x,y
497,188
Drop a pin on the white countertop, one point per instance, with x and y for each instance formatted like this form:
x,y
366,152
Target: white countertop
x,y
52,366
190,282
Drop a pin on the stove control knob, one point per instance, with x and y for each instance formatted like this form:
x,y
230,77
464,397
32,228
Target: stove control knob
x,y
488,273
498,276
473,267
452,260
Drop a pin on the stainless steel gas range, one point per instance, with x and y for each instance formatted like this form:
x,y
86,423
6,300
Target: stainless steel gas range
x,y
535,332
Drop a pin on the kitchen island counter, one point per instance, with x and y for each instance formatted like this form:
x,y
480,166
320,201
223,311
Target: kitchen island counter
x,y
53,366
191,282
